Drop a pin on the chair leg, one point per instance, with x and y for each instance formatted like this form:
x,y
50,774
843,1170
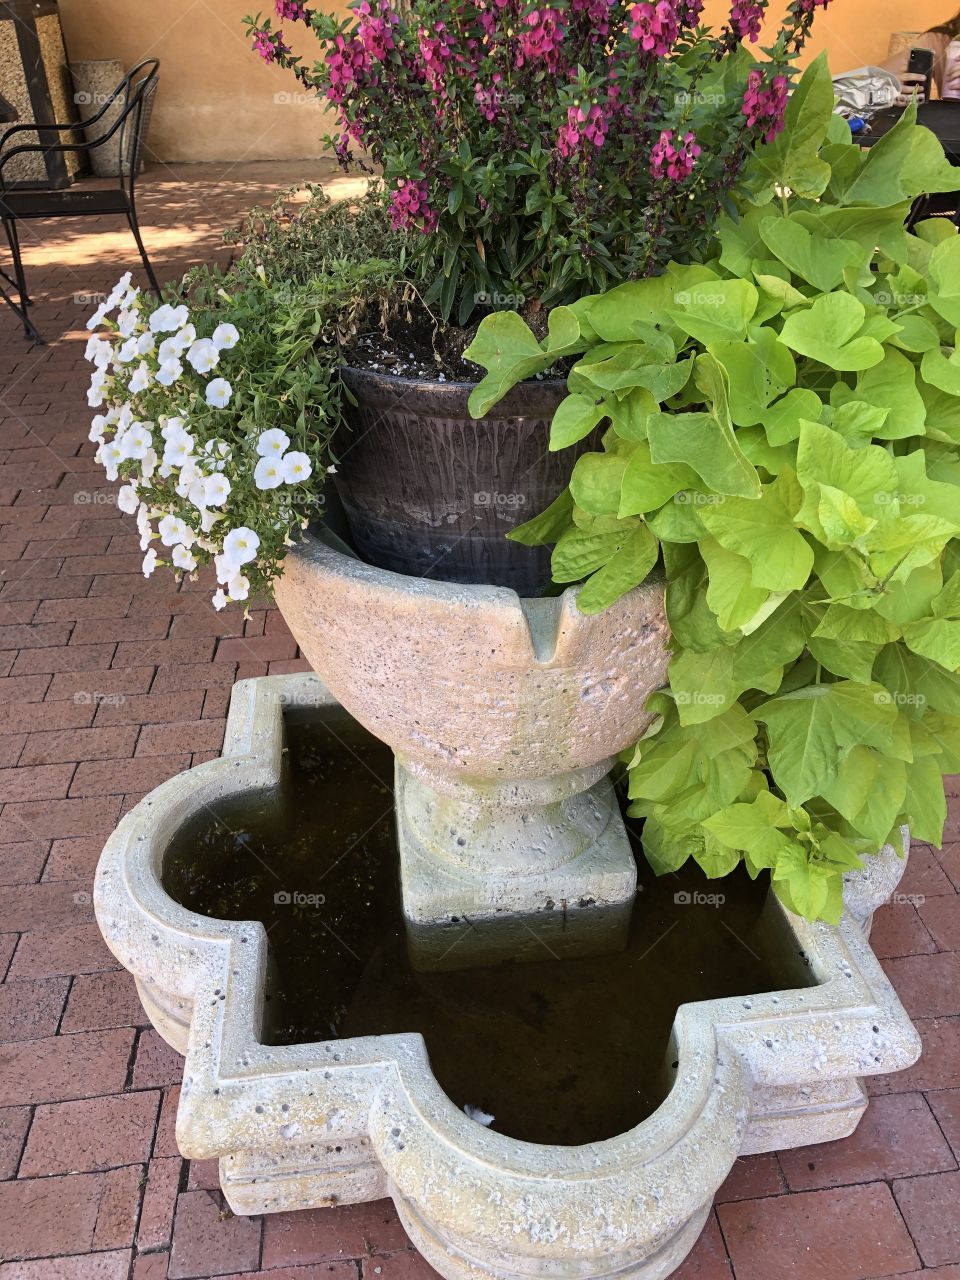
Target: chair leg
x,y
135,228
13,238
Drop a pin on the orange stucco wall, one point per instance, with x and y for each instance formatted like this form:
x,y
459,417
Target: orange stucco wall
x,y
217,101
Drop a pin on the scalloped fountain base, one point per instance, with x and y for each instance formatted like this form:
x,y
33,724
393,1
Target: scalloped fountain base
x,y
349,1120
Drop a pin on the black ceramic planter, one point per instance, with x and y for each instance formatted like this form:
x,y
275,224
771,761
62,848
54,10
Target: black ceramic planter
x,y
431,492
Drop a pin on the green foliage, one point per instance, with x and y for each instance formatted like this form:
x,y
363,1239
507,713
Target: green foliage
x,y
783,423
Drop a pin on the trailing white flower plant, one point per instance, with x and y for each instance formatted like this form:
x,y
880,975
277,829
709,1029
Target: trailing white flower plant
x,y
185,398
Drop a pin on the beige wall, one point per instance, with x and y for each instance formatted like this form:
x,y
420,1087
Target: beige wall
x,y
218,101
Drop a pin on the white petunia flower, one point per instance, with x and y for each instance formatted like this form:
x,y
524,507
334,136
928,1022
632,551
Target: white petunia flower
x,y
238,588
167,319
171,426
219,600
225,570
217,490
97,429
180,316
197,493
127,323
240,546
183,558
110,455
149,562
169,349
226,336
126,352
140,380
204,355
208,519
331,471
219,392
148,464
168,373
267,474
295,467
177,449
127,499
95,391
135,441
173,530
273,443
184,338
143,518
119,290
146,344
98,351
98,317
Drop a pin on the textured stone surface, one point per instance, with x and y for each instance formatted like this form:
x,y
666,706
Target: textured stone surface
x,y
312,1125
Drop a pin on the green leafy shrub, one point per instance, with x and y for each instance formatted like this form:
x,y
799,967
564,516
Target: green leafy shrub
x,y
784,440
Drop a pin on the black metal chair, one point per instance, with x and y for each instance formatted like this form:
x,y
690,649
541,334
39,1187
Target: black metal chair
x,y
134,93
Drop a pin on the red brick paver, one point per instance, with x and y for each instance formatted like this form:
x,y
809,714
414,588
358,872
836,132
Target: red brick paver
x,y
110,683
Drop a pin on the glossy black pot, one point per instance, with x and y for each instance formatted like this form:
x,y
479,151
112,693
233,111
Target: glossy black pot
x,y
431,492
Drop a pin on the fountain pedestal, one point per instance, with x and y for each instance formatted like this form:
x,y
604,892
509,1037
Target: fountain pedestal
x,y
505,716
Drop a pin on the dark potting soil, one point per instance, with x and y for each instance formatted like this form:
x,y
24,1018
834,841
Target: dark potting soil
x,y
564,1051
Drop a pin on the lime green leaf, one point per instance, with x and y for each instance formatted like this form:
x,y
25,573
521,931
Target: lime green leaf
x,y
924,805
781,420
908,161
762,530
716,311
819,261
758,372
580,552
548,526
867,475
792,159
647,485
826,331
626,569
505,346
731,593
892,385
574,419
937,639
595,482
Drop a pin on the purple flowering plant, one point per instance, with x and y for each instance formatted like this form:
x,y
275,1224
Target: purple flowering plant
x,y
545,152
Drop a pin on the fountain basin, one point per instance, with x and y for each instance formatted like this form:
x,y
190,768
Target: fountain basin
x,y
308,1125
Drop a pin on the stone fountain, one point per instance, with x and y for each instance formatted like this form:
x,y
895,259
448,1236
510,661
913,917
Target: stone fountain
x,y
505,717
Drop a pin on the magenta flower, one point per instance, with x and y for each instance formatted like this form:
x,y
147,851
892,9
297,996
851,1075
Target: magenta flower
x,y
291,10
690,13
375,31
346,62
746,19
811,6
436,50
597,13
270,47
674,162
655,26
409,207
764,105
542,36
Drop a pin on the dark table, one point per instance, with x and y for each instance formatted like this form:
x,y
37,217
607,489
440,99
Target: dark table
x,y
941,118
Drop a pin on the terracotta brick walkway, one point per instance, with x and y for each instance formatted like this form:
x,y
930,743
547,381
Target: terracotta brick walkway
x,y
108,685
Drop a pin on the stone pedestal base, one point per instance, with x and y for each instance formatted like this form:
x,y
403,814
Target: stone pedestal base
x,y
527,872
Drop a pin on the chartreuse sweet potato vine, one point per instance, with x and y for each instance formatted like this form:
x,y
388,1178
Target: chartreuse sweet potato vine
x,y
783,436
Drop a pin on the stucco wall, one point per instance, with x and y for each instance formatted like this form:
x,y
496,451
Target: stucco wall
x,y
218,101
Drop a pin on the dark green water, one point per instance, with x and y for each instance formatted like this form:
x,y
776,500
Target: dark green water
x,y
564,1051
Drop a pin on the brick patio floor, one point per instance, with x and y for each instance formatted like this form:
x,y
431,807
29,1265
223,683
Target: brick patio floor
x,y
91,1184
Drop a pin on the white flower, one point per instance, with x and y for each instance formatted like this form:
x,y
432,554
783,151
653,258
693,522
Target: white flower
x,y
143,518
149,562
219,453
97,428
169,349
183,339
171,426
110,455
125,417
208,519
266,474
238,588
99,351
219,392
178,448
173,530
168,373
135,441
130,298
331,471
127,322
140,380
183,558
127,499
217,490
146,344
98,317
126,352
225,570
95,393
204,355
273,443
240,546
167,319
197,493
226,336
295,467
148,463
219,600
119,289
